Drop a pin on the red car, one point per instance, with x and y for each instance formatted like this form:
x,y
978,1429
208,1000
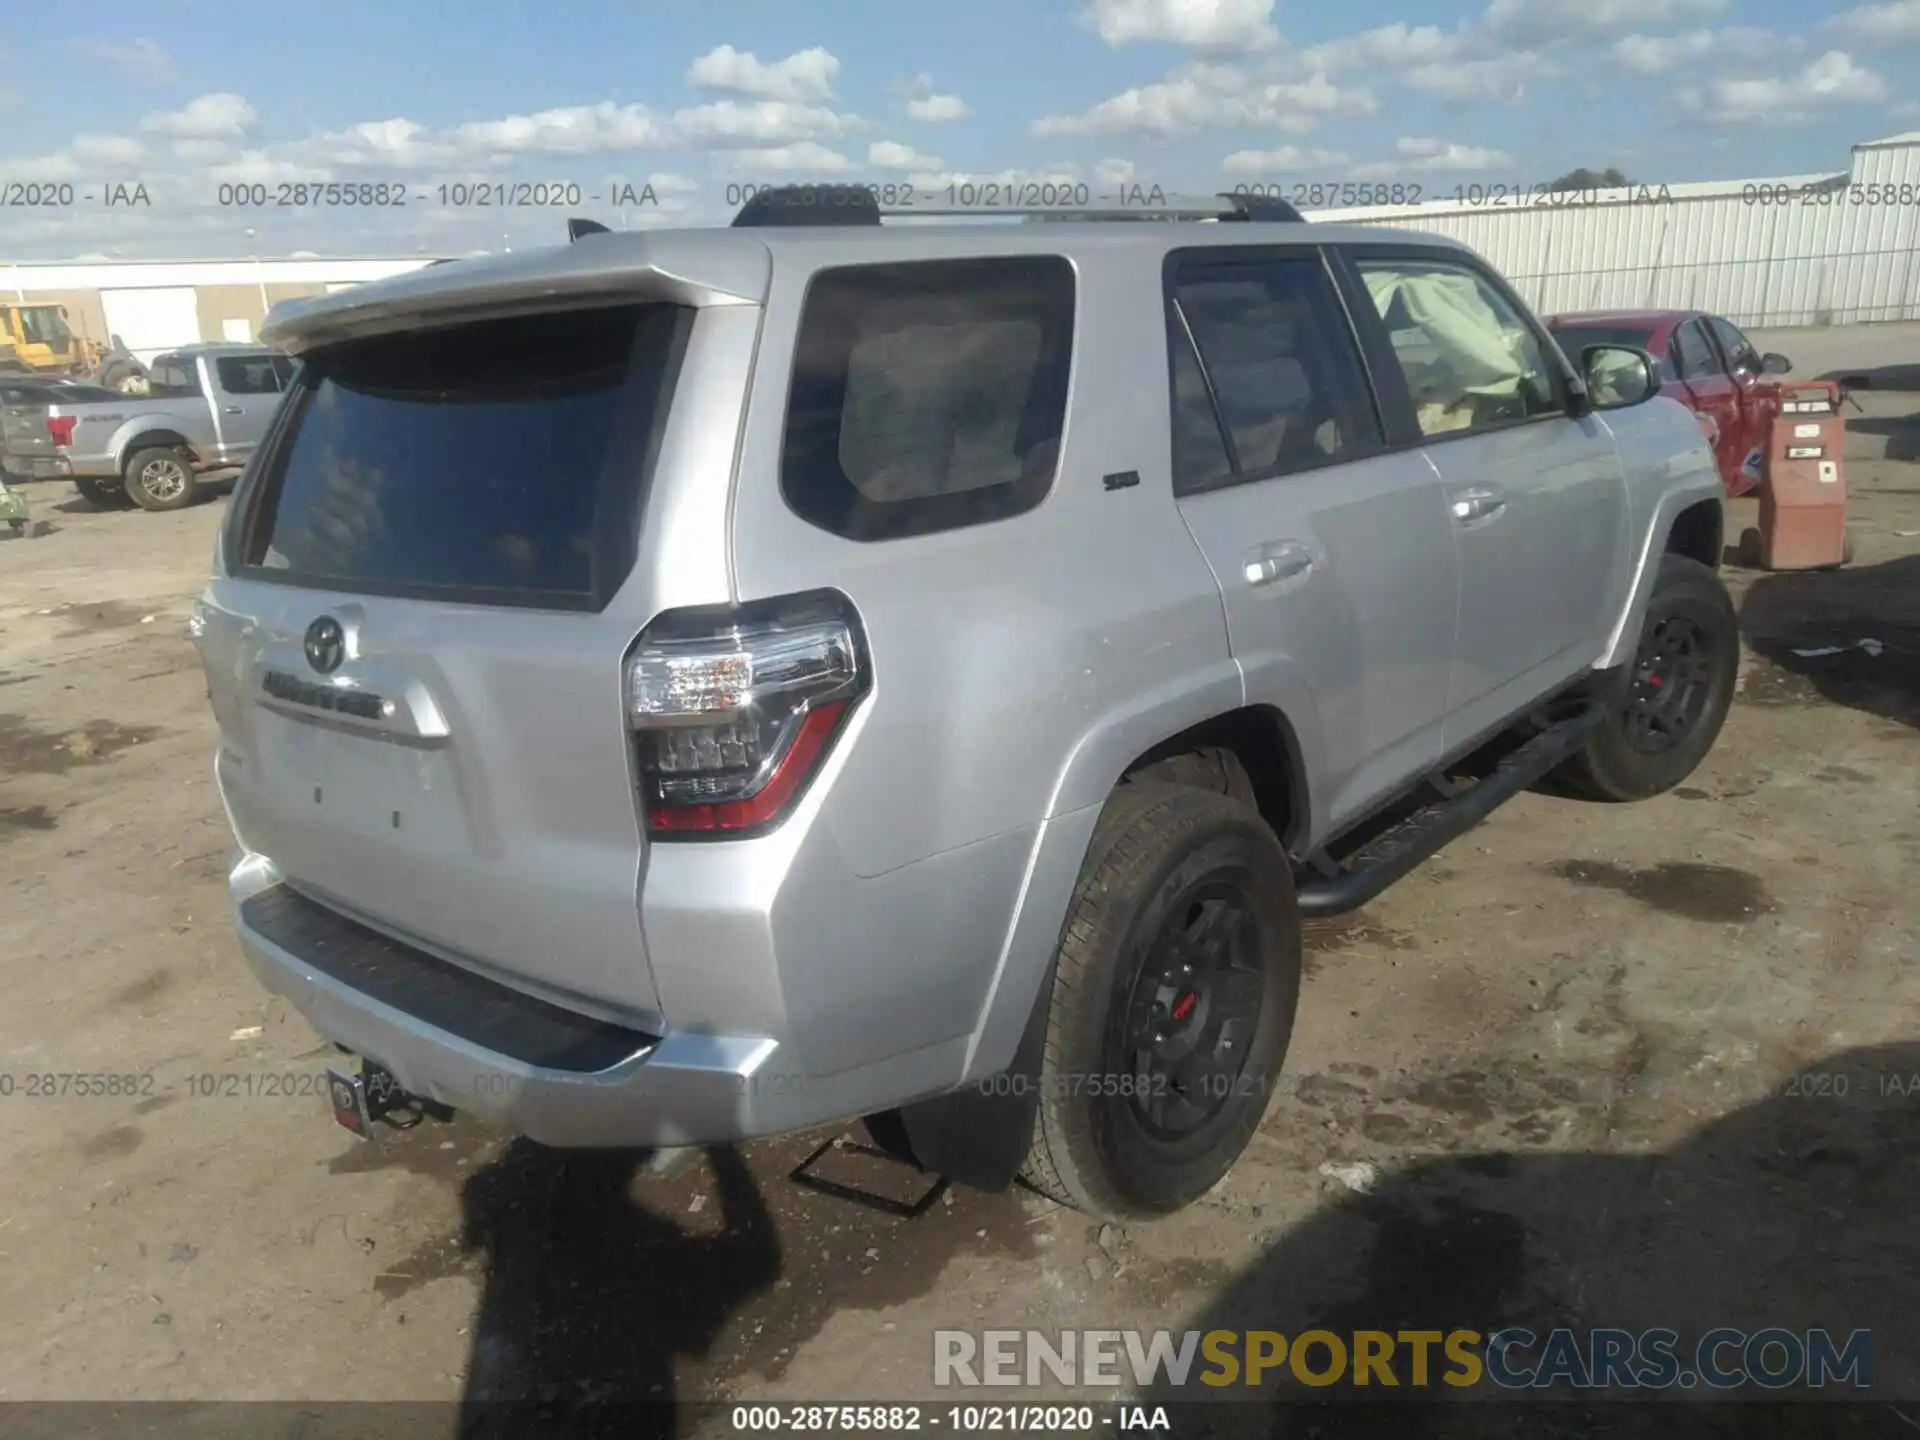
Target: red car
x,y
1707,365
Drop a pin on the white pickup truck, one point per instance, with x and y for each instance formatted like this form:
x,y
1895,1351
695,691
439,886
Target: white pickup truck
x,y
207,407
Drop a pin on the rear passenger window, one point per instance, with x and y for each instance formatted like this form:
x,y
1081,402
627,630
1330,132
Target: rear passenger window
x,y
1471,360
1277,385
249,375
928,395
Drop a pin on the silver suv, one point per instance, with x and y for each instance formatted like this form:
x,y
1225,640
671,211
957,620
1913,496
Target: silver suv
x,y
683,686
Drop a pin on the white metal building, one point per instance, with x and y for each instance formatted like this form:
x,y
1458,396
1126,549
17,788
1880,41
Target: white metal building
x,y
1788,250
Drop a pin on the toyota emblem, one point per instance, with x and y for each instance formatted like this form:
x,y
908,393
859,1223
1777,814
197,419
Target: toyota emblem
x,y
326,645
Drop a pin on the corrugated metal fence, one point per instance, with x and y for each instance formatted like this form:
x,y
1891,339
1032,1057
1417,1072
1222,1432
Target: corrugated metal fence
x,y
1798,250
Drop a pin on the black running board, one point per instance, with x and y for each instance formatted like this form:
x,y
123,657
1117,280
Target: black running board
x,y
1391,855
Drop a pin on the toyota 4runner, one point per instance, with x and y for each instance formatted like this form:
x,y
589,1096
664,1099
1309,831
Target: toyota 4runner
x,y
690,685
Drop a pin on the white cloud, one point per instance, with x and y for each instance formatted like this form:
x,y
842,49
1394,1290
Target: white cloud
x,y
937,109
1277,162
1426,153
1663,54
1198,96
395,144
141,60
928,105
1500,78
1831,81
892,155
802,155
803,75
220,116
1419,154
1895,23
570,130
730,123
1387,47
58,166
256,167
1114,172
201,152
1197,24
1544,21
107,150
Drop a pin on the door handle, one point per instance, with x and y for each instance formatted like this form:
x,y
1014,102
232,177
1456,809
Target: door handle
x,y
1280,560
1477,503
234,410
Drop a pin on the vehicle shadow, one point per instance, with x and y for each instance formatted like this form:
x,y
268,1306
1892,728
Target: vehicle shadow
x,y
1795,1210
1863,623
1882,377
588,1297
1902,432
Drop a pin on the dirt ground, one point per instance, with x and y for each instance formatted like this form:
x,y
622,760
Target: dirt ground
x,y
1642,1065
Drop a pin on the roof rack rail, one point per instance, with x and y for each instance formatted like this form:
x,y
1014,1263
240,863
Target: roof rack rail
x,y
857,205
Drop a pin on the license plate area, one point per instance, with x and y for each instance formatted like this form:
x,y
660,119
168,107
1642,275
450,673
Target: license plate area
x,y
362,784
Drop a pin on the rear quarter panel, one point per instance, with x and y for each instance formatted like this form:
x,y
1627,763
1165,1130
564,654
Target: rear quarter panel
x,y
1018,666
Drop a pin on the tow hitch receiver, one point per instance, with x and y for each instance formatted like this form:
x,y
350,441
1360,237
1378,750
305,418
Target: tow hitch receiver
x,y
374,1094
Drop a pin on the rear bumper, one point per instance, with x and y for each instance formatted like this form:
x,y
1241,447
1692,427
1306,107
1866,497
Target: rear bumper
x,y
558,1077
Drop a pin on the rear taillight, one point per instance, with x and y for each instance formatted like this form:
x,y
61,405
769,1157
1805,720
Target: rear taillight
x,y
733,710
60,427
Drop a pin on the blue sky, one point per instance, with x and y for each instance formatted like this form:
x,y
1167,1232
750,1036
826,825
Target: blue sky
x,y
187,96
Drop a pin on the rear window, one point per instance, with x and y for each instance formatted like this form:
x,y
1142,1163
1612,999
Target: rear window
x,y
928,395
498,462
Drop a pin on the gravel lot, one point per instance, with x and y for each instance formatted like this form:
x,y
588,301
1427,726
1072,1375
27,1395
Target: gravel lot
x,y
1569,1045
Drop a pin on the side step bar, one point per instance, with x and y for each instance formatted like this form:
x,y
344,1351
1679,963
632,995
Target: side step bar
x,y
1389,856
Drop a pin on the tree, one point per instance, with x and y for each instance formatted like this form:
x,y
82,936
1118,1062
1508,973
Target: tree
x,y
1584,179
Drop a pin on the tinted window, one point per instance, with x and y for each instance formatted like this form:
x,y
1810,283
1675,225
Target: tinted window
x,y
249,375
1736,347
496,461
1287,389
1692,356
170,377
1471,360
928,396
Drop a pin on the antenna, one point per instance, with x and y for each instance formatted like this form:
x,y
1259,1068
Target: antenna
x,y
577,227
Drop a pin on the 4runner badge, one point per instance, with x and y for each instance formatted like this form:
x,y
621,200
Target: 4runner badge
x,y
326,645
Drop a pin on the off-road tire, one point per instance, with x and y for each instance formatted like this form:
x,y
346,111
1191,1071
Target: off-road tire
x,y
157,456
1153,841
102,494
1610,767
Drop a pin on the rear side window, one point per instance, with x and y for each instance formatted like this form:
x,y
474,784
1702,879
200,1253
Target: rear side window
x,y
249,375
929,395
172,378
498,462
1277,386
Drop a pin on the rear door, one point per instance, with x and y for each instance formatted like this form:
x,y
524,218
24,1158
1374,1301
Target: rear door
x,y
247,391
1536,497
415,656
1712,392
1333,551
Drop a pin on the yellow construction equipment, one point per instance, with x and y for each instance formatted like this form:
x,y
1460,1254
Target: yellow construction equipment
x,y
37,340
